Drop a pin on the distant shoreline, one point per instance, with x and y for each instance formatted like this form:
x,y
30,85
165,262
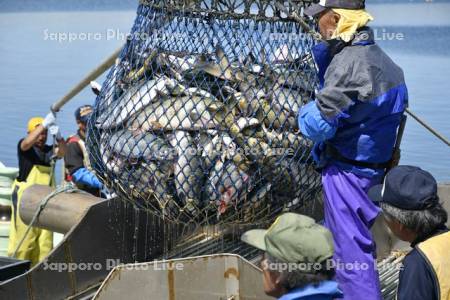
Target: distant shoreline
x,y
131,9
14,6
18,10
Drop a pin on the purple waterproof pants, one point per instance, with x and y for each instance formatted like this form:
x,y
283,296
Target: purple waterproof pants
x,y
349,214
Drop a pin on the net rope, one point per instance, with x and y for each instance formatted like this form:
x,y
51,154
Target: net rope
x,y
197,120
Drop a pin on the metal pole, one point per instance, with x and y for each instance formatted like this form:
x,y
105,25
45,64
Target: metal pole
x,y
61,213
83,83
299,20
428,127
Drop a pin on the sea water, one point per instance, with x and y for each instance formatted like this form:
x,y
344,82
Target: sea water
x,y
43,54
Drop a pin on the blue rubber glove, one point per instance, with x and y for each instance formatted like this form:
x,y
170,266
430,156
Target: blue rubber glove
x,y
83,176
313,125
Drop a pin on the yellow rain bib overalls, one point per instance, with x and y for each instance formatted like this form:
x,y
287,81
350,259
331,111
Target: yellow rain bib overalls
x,y
38,242
435,252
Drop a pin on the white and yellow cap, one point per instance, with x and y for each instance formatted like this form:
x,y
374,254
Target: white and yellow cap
x,y
316,8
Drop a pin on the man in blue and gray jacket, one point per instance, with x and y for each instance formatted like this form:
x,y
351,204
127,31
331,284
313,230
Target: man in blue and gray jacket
x,y
353,122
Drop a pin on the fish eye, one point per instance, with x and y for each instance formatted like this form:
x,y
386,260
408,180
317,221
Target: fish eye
x,y
133,161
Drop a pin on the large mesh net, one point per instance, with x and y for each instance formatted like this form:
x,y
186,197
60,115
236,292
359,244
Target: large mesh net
x,y
197,120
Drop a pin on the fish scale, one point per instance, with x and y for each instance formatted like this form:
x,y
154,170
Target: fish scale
x,y
188,171
133,101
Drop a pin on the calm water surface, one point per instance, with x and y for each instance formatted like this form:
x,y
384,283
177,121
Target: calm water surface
x,y
36,70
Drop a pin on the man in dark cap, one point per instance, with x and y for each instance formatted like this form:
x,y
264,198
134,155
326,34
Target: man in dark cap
x,y
77,159
353,121
413,212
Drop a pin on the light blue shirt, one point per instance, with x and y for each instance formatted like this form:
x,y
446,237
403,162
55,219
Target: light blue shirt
x,y
326,290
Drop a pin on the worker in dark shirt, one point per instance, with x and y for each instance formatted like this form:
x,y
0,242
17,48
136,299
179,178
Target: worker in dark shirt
x,y
412,210
35,167
77,159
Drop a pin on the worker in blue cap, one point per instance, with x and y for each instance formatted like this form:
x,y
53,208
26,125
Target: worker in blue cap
x,y
353,122
77,159
413,212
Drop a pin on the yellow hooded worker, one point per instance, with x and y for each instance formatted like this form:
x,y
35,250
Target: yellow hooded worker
x,y
353,121
34,168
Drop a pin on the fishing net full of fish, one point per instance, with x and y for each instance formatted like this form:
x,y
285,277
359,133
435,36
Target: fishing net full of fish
x,y
197,120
